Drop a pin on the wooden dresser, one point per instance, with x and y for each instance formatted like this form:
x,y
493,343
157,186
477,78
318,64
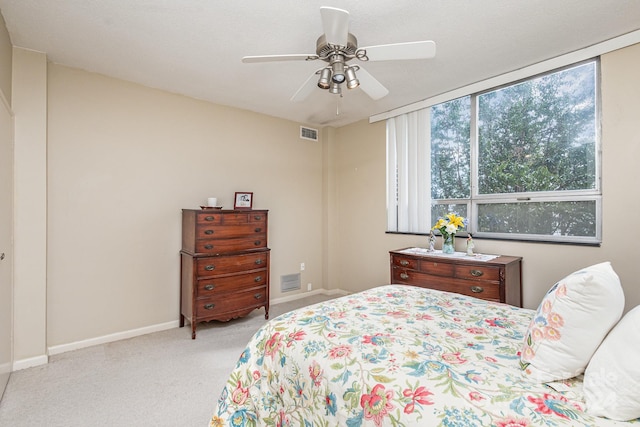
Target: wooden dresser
x,y
499,279
224,265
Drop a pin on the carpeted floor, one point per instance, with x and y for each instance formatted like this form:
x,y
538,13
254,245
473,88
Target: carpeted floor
x,y
159,379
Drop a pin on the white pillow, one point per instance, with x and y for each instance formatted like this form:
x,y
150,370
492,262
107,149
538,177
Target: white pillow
x,y
612,378
572,320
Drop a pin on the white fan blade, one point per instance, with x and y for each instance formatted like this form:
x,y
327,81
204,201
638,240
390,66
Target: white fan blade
x,y
370,85
275,58
335,23
400,51
307,87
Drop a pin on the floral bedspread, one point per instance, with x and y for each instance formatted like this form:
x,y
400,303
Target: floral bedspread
x,y
395,355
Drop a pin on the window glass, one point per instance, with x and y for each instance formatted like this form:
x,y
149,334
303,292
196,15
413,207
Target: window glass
x,y
440,210
451,149
539,135
544,218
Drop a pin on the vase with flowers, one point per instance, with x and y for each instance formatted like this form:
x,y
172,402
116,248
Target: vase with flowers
x,y
448,227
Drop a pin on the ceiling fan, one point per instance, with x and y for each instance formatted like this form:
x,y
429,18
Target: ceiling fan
x,y
337,46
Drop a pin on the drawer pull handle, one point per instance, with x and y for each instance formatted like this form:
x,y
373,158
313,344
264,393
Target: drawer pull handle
x,y
257,217
209,218
208,246
257,279
258,296
209,287
476,273
209,306
208,231
477,289
258,229
210,267
259,261
404,276
404,262
257,242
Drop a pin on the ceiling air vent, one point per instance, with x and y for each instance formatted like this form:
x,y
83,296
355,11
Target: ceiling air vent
x,y
308,133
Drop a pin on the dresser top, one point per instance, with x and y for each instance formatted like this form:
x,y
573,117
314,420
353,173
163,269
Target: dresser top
x,y
458,257
225,210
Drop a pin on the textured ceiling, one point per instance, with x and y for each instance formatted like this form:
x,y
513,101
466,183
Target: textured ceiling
x,y
194,47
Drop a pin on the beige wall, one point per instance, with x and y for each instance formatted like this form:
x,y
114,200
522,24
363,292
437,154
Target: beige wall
x,y
30,204
5,61
361,248
6,234
123,161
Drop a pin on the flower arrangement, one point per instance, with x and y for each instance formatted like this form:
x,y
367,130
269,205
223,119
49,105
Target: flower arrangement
x,y
448,227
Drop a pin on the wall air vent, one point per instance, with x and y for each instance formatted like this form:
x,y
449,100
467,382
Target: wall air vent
x,y
308,133
289,282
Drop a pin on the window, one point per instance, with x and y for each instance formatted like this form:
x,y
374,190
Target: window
x,y
520,161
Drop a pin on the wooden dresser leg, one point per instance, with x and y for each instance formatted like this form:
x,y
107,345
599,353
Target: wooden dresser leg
x,y
181,320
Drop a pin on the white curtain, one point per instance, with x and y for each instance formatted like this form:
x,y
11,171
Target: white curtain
x,y
408,172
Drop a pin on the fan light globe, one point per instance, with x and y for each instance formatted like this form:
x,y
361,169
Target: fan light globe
x,y
352,80
338,71
325,77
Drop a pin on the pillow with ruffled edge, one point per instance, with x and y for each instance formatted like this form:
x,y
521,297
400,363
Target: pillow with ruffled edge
x,y
572,320
612,378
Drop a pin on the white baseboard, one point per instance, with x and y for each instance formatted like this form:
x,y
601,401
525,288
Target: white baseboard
x,y
308,294
63,348
30,362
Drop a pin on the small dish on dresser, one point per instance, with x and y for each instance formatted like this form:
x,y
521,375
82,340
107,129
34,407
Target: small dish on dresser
x,y
210,207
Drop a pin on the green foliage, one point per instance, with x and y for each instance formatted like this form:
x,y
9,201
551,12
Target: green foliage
x,y
532,137
538,135
451,149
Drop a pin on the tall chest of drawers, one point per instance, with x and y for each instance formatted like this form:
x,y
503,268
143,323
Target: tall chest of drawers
x,y
498,279
224,265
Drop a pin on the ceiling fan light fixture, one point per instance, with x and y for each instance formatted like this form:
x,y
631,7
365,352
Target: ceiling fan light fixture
x,y
324,82
352,80
335,89
337,66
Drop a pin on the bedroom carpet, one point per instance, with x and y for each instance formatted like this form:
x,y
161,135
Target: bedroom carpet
x,y
160,379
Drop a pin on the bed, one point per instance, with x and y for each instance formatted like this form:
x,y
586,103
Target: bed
x,y
396,355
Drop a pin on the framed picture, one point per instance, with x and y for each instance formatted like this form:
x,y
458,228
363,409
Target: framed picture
x,y
243,200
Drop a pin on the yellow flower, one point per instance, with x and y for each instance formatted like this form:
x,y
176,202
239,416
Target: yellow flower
x,y
441,223
456,220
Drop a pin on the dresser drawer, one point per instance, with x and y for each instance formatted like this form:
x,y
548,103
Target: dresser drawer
x,y
477,272
437,268
209,266
405,262
208,231
219,285
488,291
211,307
216,246
230,219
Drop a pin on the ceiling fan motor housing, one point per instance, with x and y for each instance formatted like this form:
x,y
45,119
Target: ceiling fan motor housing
x,y
325,50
